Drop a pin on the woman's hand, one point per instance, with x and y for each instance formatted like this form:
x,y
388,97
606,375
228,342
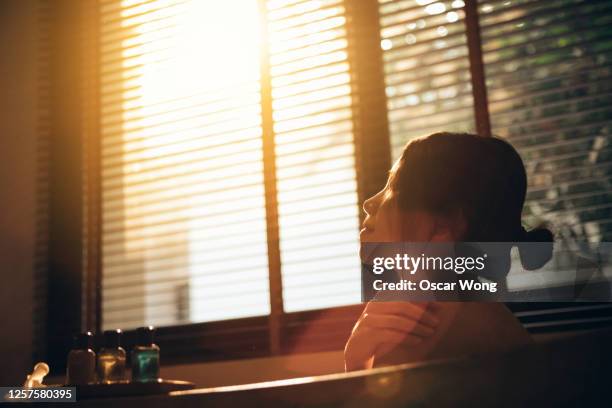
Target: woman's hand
x,y
384,325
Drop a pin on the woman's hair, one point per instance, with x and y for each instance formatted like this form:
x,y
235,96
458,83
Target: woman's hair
x,y
482,178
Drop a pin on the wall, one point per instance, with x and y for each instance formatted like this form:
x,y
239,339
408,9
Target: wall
x,y
18,186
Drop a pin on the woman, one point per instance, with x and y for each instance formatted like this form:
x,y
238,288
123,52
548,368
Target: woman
x,y
445,187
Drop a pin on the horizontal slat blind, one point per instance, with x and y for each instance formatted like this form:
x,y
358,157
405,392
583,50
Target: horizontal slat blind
x,y
549,82
426,65
315,165
549,77
184,234
551,317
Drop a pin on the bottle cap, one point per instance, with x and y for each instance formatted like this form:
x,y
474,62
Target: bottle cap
x,y
112,338
145,335
83,340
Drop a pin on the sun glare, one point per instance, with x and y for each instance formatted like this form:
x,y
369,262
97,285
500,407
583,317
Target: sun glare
x,y
189,174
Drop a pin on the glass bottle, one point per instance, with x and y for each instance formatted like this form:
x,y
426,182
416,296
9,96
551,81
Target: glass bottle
x,y
145,356
111,358
81,367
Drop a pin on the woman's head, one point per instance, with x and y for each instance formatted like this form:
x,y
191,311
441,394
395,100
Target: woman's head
x,y
452,187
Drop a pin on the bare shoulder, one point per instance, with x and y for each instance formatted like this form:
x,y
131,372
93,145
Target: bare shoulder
x,y
465,328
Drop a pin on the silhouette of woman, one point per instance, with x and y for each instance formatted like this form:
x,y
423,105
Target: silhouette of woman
x,y
446,187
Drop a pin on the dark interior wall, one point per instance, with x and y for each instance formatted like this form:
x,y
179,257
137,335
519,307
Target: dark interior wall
x,y
18,184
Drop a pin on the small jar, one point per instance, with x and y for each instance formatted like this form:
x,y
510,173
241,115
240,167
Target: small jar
x,y
81,365
145,356
111,358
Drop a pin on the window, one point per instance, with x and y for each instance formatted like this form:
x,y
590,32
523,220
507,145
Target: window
x,y
184,234
233,136
550,97
548,74
183,200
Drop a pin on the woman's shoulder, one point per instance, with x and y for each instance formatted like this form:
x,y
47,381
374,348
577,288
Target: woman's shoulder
x,y
466,328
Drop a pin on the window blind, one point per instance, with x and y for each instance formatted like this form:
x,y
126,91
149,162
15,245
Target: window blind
x,y
315,164
426,65
547,72
549,82
549,79
183,206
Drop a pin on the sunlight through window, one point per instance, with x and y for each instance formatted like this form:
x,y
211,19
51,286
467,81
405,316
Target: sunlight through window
x,y
184,218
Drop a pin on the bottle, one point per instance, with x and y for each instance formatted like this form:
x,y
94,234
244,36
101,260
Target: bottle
x,y
145,356
111,358
81,367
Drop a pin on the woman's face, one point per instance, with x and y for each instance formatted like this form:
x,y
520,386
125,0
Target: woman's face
x,y
386,222
382,220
